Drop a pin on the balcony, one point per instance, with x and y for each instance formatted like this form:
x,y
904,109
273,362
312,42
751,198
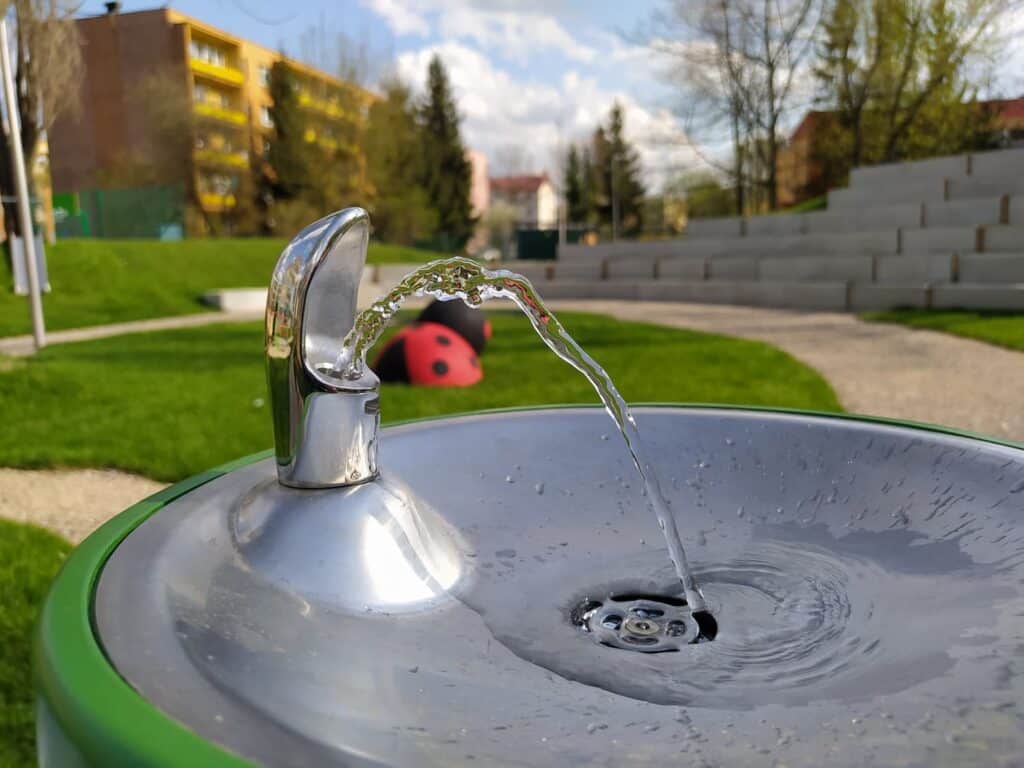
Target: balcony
x,y
328,108
223,74
217,112
213,202
222,158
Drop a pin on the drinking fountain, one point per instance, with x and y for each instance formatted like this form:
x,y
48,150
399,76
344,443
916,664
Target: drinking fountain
x,y
493,589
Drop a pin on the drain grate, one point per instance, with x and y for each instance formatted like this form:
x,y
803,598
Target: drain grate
x,y
644,622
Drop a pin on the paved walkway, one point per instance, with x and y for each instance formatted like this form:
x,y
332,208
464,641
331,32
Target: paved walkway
x,y
21,346
875,369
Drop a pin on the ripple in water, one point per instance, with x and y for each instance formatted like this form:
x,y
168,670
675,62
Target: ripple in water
x,y
798,622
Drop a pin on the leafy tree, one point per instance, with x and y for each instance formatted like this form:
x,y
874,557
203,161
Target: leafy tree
x,y
401,208
574,184
291,158
447,173
896,75
739,64
705,195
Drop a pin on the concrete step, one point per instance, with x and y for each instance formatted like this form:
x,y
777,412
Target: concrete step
x,y
914,269
534,271
796,295
1002,238
824,295
985,186
883,217
974,212
733,268
997,268
908,190
940,240
1005,164
1016,212
731,226
876,176
579,270
620,249
816,268
775,224
819,244
865,297
978,296
684,268
634,268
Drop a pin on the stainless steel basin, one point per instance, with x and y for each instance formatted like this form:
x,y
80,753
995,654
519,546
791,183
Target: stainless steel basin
x,y
867,578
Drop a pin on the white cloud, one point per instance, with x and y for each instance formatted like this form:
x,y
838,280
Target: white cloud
x,y
499,110
399,16
516,30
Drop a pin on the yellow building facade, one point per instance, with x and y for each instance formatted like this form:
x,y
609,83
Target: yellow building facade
x,y
223,78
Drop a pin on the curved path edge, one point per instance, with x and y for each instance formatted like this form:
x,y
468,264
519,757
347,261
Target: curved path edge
x,y
876,369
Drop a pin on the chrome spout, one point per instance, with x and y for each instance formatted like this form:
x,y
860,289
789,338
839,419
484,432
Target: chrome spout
x,y
325,426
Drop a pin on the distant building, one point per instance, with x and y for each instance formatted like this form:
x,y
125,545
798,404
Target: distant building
x,y
802,175
533,197
480,188
224,78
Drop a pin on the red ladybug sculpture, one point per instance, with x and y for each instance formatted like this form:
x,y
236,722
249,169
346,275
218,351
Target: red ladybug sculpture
x,y
428,355
471,324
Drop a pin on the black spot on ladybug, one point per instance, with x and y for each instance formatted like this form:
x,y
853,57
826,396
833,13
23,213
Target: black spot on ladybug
x,y
440,367
444,341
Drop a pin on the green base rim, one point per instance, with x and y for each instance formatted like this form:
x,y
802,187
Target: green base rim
x,y
106,719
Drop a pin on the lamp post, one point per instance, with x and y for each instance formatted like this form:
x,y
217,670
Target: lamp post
x,y
21,190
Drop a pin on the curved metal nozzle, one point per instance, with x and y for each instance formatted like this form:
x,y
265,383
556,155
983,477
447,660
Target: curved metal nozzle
x,y
325,427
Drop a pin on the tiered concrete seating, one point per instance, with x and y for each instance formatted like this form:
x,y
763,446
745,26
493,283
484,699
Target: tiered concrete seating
x,y
943,232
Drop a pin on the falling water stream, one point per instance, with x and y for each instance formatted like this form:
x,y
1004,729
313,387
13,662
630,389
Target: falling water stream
x,y
465,279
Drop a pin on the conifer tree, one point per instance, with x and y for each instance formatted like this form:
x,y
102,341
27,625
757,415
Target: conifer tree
x,y
290,156
574,185
447,173
620,190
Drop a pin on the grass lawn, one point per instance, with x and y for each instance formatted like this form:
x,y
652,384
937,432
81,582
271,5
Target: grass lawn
x,y
29,559
111,281
1003,329
819,203
173,403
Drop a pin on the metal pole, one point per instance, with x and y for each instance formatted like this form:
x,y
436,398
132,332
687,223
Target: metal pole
x,y
563,208
21,188
615,199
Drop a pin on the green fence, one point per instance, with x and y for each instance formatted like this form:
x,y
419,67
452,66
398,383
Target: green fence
x,y
537,244
142,212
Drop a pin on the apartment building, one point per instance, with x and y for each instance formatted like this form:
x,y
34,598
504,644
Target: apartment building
x,y
222,79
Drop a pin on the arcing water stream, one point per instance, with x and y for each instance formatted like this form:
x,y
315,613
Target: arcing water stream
x,y
465,279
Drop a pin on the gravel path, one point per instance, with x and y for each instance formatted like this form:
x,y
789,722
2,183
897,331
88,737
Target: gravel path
x,y
875,369
72,503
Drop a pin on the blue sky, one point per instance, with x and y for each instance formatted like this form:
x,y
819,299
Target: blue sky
x,y
528,73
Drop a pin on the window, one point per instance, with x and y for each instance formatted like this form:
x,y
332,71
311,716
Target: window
x,y
265,76
199,92
265,119
208,53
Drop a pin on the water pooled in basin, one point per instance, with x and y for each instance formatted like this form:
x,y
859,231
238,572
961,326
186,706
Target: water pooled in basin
x,y
465,279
